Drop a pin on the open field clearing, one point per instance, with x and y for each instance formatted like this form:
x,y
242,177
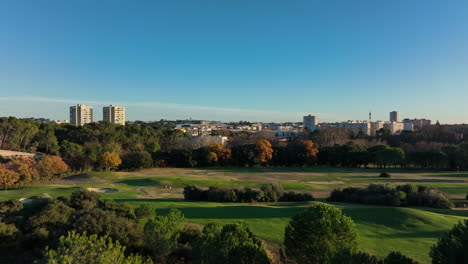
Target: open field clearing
x,y
381,229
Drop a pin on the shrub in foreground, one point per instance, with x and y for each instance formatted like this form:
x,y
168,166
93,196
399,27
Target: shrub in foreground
x,y
346,256
12,205
76,248
453,246
231,244
317,232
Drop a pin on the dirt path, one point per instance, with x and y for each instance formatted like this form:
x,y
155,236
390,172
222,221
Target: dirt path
x,y
144,193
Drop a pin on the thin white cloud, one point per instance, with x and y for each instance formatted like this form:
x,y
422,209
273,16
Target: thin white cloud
x,y
143,110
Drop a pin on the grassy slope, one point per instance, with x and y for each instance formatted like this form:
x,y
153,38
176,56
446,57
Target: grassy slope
x,y
381,229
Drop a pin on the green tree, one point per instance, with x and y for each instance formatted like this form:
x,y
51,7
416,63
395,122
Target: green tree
x,y
397,258
318,231
232,244
80,248
144,211
452,247
162,233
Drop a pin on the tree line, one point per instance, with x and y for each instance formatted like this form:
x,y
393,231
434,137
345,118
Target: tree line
x,y
106,146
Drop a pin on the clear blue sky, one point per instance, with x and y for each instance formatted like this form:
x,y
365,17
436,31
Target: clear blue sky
x,y
236,60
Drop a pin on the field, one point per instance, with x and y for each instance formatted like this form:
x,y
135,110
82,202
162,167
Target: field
x,y
381,229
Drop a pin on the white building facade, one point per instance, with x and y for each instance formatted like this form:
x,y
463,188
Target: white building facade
x,y
81,115
114,114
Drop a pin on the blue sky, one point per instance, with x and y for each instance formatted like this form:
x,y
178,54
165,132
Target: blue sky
x,y
236,60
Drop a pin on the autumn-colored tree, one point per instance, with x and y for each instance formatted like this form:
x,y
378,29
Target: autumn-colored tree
x,y
49,166
218,153
110,160
25,167
264,151
7,177
306,152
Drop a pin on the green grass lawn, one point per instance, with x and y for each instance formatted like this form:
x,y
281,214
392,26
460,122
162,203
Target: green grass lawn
x,y
381,229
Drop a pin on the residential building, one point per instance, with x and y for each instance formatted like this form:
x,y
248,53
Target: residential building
x,y
114,114
310,122
81,114
418,124
375,126
394,116
395,127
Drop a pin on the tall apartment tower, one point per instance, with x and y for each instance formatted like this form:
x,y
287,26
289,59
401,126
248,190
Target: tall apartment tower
x,y
310,122
81,114
114,114
394,116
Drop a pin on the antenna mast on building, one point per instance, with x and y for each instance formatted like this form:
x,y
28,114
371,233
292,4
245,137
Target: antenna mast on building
x,y
370,116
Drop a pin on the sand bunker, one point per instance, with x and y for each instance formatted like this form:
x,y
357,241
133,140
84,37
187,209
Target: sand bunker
x,y
26,200
102,190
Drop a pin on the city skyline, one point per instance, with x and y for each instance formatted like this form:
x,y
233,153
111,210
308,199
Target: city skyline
x,y
242,60
99,111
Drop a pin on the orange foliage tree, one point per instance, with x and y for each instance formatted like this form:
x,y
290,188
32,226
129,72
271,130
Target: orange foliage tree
x,y
264,151
110,160
8,177
306,152
218,153
25,167
49,166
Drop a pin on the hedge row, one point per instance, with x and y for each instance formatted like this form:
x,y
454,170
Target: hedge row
x,y
268,193
401,195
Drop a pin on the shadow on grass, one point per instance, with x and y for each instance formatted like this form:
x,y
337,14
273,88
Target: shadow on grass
x,y
227,212
140,182
411,235
409,180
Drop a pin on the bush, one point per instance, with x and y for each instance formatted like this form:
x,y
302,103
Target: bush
x,y
453,246
384,175
12,205
268,193
384,194
319,231
144,211
346,256
76,248
296,197
398,258
84,199
231,244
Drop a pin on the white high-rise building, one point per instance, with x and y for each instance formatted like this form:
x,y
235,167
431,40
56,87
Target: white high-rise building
x,y
114,114
310,122
81,114
394,116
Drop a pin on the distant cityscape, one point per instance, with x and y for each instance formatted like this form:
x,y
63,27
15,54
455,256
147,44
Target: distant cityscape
x,y
83,114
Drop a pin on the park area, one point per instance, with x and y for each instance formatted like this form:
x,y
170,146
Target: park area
x,y
382,229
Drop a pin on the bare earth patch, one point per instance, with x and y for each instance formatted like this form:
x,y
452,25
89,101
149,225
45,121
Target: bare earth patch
x,y
9,153
102,190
